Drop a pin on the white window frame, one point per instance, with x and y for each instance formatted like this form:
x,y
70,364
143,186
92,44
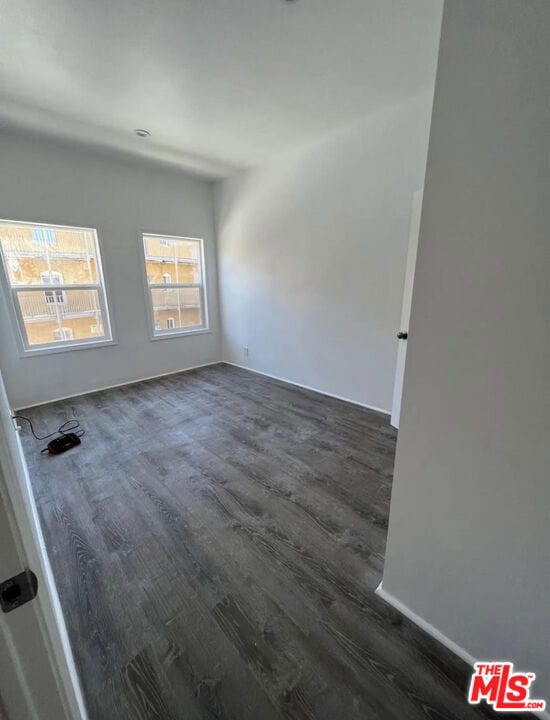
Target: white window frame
x,y
16,315
163,333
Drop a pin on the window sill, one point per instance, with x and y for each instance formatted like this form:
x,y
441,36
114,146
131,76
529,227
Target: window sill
x,y
185,333
50,350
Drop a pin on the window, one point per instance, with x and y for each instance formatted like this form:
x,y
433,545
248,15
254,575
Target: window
x,y
44,236
55,296
63,333
50,277
179,263
73,310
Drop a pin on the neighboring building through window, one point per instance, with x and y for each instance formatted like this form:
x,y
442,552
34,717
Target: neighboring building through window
x,y
44,236
179,263
63,334
67,260
50,277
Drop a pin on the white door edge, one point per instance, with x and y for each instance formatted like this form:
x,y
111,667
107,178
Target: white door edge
x,y
43,667
414,231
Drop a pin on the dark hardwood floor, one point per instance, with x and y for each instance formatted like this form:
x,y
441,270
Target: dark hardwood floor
x,y
216,542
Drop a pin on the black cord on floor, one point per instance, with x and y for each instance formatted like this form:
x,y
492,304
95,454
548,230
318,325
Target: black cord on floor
x,y
67,427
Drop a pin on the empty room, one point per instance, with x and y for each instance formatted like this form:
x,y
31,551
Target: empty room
x,y
274,353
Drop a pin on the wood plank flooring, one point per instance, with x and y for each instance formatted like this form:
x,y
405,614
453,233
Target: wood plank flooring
x,y
216,541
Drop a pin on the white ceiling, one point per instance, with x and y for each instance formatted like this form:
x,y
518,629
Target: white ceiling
x,y
221,84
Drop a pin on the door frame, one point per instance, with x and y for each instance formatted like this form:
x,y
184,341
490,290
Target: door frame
x,y
39,677
408,284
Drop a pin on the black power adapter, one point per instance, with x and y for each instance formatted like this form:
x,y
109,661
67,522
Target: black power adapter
x,y
63,443
67,438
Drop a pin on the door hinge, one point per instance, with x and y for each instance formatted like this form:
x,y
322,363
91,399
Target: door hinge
x,y
18,590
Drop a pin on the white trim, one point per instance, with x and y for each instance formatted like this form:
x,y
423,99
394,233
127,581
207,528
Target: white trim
x,y
163,236
425,625
436,634
55,286
66,346
406,302
171,285
34,223
176,333
53,624
308,387
121,384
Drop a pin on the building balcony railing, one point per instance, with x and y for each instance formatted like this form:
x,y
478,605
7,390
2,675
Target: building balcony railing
x,y
51,304
172,259
174,298
177,306
25,251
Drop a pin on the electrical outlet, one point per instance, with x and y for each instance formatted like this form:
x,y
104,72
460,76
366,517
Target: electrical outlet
x,y
245,351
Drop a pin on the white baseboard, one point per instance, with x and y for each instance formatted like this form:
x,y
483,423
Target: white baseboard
x,y
121,384
425,625
437,635
196,367
308,387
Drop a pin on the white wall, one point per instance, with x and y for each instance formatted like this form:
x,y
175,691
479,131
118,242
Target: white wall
x,y
469,534
312,254
48,182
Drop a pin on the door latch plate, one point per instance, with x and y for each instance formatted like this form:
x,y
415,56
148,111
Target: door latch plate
x,y
18,590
